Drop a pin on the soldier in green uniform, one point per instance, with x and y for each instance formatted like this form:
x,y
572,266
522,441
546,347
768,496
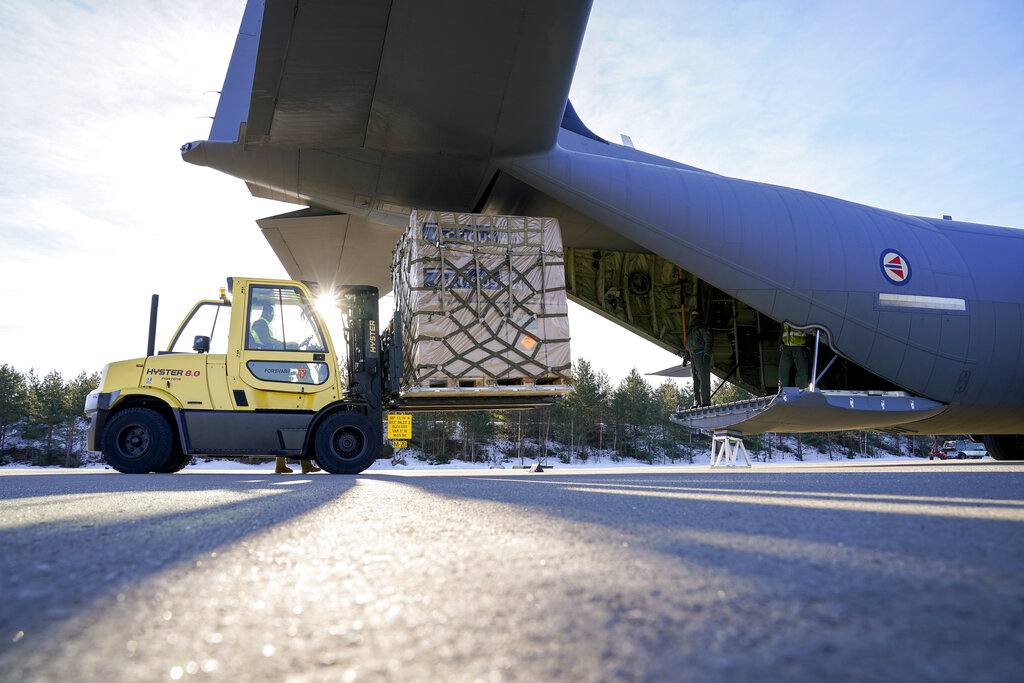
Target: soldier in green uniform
x,y
698,351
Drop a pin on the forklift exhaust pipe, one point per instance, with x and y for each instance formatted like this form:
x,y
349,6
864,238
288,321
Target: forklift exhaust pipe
x,y
151,347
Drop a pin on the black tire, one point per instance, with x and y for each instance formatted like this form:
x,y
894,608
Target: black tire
x,y
137,440
346,443
175,462
1005,446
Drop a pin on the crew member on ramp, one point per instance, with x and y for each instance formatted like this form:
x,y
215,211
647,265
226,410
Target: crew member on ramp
x,y
698,347
794,357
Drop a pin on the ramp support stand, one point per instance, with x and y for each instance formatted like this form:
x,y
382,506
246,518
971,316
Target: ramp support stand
x,y
726,444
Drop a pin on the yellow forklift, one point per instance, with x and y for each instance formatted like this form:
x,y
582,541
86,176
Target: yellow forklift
x,y
255,373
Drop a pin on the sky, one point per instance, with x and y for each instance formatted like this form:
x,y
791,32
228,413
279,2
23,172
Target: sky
x,y
913,106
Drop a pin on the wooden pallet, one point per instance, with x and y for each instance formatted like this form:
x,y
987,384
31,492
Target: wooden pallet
x,y
476,382
533,381
554,381
454,382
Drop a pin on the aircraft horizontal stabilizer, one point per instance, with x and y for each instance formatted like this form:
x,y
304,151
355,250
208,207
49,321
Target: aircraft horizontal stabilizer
x,y
679,371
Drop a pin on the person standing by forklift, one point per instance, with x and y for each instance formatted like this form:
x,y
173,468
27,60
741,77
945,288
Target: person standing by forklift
x,y
794,357
699,341
282,467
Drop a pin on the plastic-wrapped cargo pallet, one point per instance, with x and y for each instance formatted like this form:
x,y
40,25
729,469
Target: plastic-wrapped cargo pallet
x,y
483,304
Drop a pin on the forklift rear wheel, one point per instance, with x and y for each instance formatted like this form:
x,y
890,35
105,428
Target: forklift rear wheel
x,y
137,440
345,443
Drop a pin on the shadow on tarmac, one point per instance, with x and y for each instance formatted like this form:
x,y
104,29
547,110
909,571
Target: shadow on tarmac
x,y
758,518
864,547
130,527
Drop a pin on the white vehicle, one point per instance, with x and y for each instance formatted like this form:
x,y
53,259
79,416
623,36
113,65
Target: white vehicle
x,y
964,449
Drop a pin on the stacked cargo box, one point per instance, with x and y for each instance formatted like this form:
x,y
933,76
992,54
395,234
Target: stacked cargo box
x,y
483,303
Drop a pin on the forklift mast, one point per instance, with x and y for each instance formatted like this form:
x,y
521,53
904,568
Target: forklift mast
x,y
359,309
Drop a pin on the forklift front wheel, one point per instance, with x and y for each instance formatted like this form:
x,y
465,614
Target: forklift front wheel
x,y
137,440
345,443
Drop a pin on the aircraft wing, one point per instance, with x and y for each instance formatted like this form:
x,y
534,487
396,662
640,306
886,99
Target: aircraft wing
x,y
459,77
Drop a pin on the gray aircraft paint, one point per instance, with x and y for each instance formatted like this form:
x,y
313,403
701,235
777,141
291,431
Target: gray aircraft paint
x,y
815,261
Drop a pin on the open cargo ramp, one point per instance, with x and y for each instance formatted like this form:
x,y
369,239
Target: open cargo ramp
x,y
795,410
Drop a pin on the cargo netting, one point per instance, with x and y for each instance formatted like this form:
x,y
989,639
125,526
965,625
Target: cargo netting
x,y
483,302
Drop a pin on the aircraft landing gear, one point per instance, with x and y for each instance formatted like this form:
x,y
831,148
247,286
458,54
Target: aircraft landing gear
x,y
1005,446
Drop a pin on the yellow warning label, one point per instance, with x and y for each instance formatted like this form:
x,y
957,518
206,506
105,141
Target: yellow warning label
x,y
399,427
399,444
528,343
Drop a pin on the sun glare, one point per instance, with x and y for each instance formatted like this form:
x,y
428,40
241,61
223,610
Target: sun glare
x,y
326,305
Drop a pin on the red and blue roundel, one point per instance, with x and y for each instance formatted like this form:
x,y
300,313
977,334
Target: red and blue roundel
x,y
895,267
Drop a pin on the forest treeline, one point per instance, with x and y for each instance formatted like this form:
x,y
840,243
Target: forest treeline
x,y
630,420
47,414
627,421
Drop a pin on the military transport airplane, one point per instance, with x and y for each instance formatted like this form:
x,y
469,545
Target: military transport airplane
x,y
362,111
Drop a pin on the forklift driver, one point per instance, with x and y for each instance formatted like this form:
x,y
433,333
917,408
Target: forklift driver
x,y
260,332
263,338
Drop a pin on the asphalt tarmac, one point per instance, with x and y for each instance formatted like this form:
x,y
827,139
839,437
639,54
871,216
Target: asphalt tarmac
x,y
845,572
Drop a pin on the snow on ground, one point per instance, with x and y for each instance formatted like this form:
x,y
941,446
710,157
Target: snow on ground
x,y
604,461
494,452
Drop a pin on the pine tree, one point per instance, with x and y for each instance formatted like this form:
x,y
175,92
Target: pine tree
x,y
578,419
476,427
31,427
730,393
635,414
14,401
75,394
668,401
52,406
542,419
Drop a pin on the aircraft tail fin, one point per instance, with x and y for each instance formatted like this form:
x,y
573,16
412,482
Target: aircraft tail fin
x,y
233,108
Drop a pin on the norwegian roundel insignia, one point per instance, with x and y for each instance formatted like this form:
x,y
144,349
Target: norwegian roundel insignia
x,y
895,267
